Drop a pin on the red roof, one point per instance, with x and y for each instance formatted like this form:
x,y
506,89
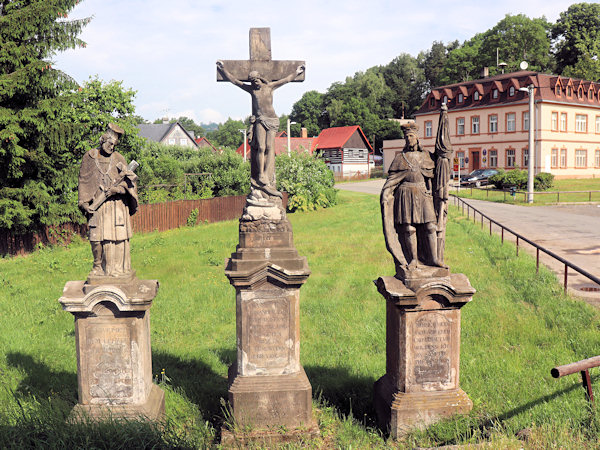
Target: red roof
x,y
336,137
296,145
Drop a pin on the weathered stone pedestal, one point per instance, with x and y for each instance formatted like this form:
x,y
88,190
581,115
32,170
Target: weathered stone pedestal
x,y
268,388
114,363
421,384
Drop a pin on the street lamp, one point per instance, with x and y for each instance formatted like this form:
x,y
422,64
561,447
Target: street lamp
x,y
531,157
288,135
245,141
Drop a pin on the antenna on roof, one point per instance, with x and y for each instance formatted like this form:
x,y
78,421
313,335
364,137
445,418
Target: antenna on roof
x,y
524,65
502,66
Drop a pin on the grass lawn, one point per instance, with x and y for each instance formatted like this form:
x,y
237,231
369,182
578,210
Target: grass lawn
x,y
517,328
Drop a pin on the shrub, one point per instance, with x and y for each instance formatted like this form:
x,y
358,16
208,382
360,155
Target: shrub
x,y
307,180
543,181
513,178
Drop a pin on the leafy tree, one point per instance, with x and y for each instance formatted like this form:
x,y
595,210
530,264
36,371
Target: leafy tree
x,y
463,62
308,111
36,183
406,83
518,38
434,60
576,37
228,134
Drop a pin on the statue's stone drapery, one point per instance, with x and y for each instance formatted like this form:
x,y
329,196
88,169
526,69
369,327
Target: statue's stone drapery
x,y
108,197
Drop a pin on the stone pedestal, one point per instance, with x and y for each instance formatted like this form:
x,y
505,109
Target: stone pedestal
x,y
112,335
267,385
421,384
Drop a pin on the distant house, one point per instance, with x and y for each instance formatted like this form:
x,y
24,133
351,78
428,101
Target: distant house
x,y
345,150
167,133
299,144
203,142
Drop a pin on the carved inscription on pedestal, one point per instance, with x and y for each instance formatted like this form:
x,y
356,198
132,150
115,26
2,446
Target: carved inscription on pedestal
x,y
432,334
110,366
268,332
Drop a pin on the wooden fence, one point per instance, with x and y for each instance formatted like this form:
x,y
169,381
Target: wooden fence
x,y
156,217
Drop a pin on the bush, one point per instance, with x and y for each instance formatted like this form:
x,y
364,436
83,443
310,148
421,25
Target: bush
x,y
307,180
543,181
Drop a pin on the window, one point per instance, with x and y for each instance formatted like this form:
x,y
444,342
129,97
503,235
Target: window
x,y
590,95
460,125
554,121
445,100
493,158
510,122
563,121
183,141
511,91
580,93
476,95
510,157
461,159
428,129
431,101
525,158
171,141
597,124
580,159
597,158
554,158
461,98
563,158
580,123
557,90
494,93
526,121
493,123
569,91
475,125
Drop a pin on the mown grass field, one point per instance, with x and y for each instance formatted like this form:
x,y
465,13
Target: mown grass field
x,y
517,328
542,197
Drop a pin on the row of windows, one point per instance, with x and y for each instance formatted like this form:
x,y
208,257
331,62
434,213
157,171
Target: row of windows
x,y
182,141
460,98
558,158
559,122
492,155
510,120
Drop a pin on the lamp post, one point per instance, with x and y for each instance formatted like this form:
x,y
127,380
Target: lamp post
x,y
531,156
288,135
245,141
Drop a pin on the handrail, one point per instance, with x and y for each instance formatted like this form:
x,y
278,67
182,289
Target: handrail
x,y
582,366
509,191
538,247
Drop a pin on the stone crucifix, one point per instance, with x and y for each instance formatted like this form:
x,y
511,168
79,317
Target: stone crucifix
x,y
260,76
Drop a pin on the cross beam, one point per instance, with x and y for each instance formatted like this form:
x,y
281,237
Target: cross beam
x,y
260,60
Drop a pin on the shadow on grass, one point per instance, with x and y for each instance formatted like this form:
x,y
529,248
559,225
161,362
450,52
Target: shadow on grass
x,y
351,395
196,380
41,381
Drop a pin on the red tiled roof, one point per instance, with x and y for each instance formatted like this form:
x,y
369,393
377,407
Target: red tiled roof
x,y
336,137
203,142
296,145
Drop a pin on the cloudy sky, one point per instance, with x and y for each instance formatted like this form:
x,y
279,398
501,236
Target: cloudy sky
x,y
166,50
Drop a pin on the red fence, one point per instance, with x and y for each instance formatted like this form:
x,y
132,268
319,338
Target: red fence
x,y
159,217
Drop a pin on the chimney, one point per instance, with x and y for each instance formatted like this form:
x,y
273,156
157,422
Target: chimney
x,y
485,72
165,119
303,133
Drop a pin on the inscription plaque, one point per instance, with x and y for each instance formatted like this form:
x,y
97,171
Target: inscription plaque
x,y
268,332
110,362
431,343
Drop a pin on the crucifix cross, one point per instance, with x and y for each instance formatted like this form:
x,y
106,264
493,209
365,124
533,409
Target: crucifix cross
x,y
260,60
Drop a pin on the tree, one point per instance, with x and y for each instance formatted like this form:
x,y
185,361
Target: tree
x,y
308,111
36,184
576,36
406,83
433,61
228,134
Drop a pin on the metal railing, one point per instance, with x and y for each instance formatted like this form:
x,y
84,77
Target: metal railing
x,y
524,193
538,248
582,366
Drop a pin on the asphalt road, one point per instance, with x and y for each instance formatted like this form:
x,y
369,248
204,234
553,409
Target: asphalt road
x,y
571,231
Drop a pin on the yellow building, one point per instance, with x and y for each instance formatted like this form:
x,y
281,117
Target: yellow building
x,y
489,123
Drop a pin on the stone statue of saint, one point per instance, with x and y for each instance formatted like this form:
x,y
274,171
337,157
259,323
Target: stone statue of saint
x,y
409,217
108,196
264,124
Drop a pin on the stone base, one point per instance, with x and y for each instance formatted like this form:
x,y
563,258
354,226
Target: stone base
x,y
153,409
398,412
270,402
268,437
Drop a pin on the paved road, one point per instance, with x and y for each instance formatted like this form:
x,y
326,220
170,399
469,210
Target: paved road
x,y
571,231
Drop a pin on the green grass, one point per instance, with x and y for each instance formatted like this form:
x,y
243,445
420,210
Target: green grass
x,y
516,329
541,198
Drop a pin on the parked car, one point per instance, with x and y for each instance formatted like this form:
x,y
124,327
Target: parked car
x,y
478,177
